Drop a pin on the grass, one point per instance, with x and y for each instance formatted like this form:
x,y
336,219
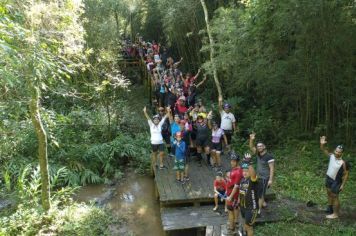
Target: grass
x,y
301,229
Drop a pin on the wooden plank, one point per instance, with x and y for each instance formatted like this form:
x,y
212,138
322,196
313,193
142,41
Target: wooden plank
x,y
217,230
209,231
194,217
190,217
223,231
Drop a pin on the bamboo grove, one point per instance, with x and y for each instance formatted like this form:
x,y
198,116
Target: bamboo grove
x,y
290,65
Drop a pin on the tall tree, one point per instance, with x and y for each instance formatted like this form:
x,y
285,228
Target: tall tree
x,y
39,45
212,49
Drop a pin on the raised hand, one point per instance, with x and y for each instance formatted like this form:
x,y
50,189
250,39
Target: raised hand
x,y
323,140
220,98
144,109
253,136
247,156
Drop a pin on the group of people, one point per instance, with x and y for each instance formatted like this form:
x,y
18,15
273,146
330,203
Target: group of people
x,y
185,128
243,189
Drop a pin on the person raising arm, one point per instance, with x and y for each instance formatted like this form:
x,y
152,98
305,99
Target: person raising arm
x,y
336,177
156,137
265,169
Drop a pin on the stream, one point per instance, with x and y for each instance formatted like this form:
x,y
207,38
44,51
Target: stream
x,y
132,199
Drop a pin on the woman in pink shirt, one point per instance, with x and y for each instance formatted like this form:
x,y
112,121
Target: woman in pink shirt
x,y
216,143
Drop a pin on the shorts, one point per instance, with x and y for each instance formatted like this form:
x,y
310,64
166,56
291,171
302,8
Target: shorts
x,y
333,185
249,215
262,187
232,205
216,147
179,165
228,134
193,135
157,147
200,142
166,138
223,194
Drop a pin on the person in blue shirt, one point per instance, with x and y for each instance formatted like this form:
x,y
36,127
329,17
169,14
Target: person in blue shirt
x,y
180,152
174,127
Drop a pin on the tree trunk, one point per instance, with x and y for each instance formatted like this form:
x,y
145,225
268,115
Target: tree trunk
x,y
42,146
117,23
212,50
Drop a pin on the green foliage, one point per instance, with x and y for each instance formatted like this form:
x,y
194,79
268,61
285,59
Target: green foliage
x,y
294,229
300,173
73,219
270,53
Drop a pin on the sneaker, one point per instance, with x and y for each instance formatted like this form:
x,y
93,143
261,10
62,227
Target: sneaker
x,y
332,216
186,178
329,210
171,155
215,208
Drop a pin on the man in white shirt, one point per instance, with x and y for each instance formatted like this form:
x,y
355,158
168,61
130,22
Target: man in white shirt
x,y
336,176
228,121
156,138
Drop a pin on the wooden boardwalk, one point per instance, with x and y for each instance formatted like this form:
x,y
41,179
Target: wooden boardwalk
x,y
185,206
199,189
177,218
195,191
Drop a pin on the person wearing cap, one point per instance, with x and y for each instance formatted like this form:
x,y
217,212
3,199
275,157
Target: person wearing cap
x,y
265,169
180,107
336,177
228,121
217,134
248,200
232,192
180,152
202,137
156,138
219,190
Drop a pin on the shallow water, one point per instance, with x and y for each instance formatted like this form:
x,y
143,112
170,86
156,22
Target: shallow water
x,y
134,199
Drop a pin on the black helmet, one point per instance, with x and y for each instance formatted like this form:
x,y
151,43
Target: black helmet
x,y
234,156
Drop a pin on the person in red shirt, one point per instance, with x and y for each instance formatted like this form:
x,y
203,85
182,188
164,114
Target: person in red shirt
x,y
180,107
219,190
236,174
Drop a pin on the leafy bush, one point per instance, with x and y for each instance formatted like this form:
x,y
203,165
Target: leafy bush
x,y
73,219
